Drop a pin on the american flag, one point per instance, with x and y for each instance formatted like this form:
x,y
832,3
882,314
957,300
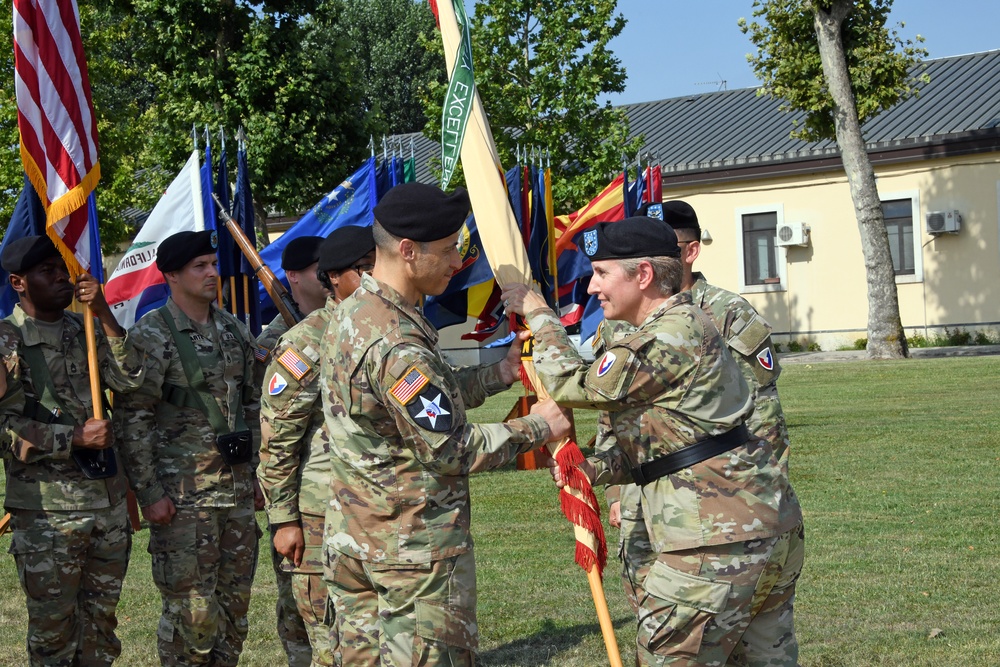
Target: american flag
x,y
293,363
55,116
408,386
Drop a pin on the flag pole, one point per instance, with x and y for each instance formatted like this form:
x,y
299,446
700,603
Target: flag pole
x,y
509,260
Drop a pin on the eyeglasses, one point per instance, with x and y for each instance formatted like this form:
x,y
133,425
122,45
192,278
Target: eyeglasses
x,y
362,269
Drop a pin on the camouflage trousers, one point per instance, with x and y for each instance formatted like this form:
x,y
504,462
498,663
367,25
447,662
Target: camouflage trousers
x,y
71,565
728,604
397,616
204,562
302,601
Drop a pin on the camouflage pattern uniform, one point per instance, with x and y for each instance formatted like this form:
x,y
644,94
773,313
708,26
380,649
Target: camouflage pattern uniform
x,y
294,474
748,336
71,535
204,560
720,531
399,554
292,629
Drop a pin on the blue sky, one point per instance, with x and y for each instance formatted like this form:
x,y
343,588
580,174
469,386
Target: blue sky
x,y
670,47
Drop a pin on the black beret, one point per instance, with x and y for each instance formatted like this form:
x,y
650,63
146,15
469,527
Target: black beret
x,y
421,212
301,253
632,237
26,253
345,246
676,213
178,249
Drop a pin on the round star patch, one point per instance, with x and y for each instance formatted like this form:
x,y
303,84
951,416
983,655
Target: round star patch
x,y
431,409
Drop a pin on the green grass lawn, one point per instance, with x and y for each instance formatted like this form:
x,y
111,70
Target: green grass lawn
x,y
898,471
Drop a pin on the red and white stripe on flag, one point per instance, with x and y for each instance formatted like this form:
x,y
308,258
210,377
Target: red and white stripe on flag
x,y
55,116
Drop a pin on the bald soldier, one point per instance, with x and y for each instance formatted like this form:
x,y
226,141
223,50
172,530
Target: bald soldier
x,y
65,490
190,458
713,496
294,469
747,335
399,555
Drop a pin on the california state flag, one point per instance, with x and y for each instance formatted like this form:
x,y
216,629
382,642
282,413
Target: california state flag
x,y
137,286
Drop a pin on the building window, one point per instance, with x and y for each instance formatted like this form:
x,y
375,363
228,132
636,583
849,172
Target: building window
x,y
760,261
898,214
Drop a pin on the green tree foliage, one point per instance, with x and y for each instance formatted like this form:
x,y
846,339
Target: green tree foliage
x,y
157,67
787,61
541,68
386,38
280,70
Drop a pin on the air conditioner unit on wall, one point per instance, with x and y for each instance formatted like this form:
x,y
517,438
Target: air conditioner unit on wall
x,y
943,222
793,233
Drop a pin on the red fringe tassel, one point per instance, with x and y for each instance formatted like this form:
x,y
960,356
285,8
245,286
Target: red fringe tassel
x,y
586,513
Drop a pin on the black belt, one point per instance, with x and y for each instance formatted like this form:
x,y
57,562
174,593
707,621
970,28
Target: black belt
x,y
685,458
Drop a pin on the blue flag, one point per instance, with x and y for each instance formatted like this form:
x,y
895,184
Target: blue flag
x,y
228,252
350,203
28,220
244,216
206,188
383,179
593,315
96,258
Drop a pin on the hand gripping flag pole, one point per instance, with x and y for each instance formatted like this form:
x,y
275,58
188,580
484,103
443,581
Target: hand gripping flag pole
x,y
465,126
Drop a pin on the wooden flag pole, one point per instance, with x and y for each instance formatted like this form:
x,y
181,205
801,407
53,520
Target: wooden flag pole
x,y
497,226
593,574
246,299
95,398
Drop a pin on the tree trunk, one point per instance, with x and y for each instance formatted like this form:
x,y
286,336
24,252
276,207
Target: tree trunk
x,y
260,224
886,339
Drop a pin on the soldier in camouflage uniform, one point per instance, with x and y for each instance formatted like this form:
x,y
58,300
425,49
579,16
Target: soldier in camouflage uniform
x,y
399,559
298,260
713,496
190,458
65,491
294,470
747,335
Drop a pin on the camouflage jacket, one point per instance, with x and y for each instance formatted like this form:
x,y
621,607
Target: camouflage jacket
x,y
266,341
748,337
41,474
401,448
170,450
667,385
294,470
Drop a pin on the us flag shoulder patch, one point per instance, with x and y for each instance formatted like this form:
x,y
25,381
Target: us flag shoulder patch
x,y
408,386
261,353
293,363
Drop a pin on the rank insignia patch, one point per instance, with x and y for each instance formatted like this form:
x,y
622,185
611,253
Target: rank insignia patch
x,y
408,386
293,363
276,385
607,361
765,359
431,410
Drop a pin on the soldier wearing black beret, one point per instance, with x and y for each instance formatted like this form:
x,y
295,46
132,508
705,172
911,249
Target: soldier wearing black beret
x,y
190,456
399,411
630,238
65,484
299,261
294,470
676,213
178,249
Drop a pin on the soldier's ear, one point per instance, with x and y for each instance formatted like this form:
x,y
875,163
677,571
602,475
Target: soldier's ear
x,y
17,282
407,249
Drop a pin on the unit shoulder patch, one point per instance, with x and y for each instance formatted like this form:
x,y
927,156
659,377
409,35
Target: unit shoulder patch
x,y
431,409
276,384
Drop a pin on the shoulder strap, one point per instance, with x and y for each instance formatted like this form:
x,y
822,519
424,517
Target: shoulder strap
x,y
198,396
